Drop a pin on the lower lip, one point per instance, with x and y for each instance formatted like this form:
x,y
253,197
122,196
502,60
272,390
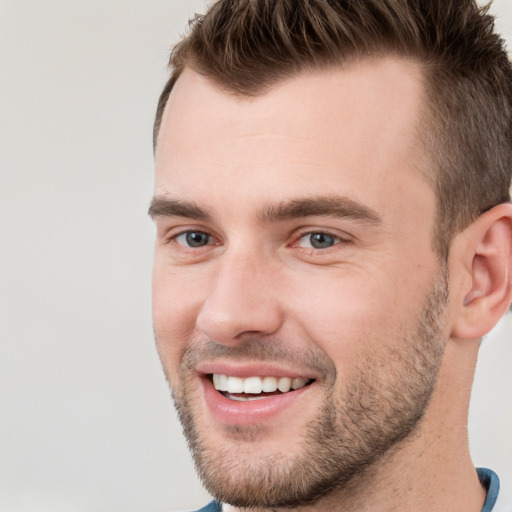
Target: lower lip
x,y
233,412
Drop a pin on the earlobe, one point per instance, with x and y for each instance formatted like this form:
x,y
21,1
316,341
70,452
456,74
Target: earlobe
x,y
489,293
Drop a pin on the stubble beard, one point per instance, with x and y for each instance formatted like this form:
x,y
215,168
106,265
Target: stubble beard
x,y
380,408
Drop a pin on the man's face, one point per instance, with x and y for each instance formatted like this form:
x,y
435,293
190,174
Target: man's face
x,y
294,249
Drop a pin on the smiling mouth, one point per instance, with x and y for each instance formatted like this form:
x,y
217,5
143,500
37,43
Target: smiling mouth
x,y
256,388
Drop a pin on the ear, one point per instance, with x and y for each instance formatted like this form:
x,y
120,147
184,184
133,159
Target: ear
x,y
487,258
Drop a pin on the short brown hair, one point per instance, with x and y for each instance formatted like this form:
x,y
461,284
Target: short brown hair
x,y
246,46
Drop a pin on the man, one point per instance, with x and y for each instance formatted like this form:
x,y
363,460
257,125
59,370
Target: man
x,y
333,240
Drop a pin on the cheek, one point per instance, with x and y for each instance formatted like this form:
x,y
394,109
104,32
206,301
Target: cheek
x,y
175,308
354,313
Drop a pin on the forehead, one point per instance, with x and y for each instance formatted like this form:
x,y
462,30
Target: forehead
x,y
347,130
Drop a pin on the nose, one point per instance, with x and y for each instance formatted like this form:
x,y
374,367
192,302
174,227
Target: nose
x,y
242,302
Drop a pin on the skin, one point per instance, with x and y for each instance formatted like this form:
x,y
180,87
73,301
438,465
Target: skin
x,y
258,281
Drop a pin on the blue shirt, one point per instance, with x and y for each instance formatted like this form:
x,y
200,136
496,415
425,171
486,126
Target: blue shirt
x,y
488,478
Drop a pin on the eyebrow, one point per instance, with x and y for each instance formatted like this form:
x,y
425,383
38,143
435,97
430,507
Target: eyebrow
x,y
164,207
323,206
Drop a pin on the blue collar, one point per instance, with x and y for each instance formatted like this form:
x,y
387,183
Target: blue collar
x,y
489,479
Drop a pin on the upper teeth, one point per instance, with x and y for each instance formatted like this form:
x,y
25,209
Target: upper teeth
x,y
256,385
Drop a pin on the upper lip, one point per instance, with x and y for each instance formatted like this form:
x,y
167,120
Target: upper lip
x,y
252,369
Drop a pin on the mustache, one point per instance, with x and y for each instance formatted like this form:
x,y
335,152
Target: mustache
x,y
260,350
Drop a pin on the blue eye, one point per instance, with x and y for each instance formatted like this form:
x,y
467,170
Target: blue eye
x,y
318,240
194,239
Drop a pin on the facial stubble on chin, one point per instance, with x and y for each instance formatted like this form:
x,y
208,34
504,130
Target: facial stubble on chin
x,y
378,409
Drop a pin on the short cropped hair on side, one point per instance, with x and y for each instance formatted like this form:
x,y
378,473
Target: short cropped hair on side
x,y
246,46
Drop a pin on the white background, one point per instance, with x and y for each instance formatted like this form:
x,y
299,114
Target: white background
x,y
86,418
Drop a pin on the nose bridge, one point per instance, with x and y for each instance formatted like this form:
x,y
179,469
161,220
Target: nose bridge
x,y
241,298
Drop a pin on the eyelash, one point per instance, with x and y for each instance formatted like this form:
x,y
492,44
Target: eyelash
x,y
174,238
337,239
